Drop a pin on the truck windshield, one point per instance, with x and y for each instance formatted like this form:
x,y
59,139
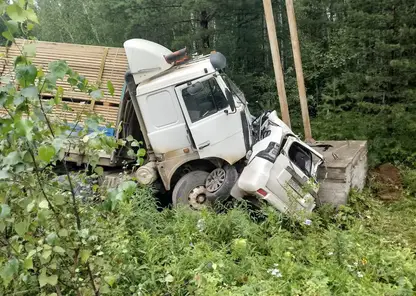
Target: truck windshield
x,y
208,101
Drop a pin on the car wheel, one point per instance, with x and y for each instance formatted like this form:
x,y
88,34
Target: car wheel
x,y
220,182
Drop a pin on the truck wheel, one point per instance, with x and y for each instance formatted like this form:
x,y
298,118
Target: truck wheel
x,y
190,190
220,183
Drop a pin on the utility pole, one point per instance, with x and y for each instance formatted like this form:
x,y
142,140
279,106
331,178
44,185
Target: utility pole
x,y
299,71
271,29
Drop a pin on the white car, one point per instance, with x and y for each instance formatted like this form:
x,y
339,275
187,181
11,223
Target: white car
x,y
281,169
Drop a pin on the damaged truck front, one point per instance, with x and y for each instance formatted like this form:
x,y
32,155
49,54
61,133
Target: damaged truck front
x,y
202,143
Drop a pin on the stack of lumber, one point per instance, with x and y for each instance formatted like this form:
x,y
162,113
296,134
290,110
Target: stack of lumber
x,y
97,63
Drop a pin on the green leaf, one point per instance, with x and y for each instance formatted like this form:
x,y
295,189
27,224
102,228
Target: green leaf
x,y
4,175
59,250
31,15
110,87
20,60
30,92
58,69
51,238
85,254
59,200
97,94
5,211
53,280
26,74
141,152
57,143
24,127
44,204
8,35
30,206
110,280
99,171
18,100
45,280
8,272
72,81
12,158
31,253
29,50
169,278
28,263
21,228
46,153
46,254
16,13
63,233
13,26
30,27
141,161
105,289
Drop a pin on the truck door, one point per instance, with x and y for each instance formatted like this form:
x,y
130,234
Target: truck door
x,y
295,166
216,130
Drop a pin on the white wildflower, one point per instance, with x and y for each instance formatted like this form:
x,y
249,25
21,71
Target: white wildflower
x,y
201,225
330,253
275,272
359,274
308,222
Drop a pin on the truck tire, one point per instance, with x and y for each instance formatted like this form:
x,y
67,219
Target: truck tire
x,y
190,190
220,183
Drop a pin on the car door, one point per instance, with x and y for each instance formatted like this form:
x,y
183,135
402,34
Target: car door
x,y
216,130
291,178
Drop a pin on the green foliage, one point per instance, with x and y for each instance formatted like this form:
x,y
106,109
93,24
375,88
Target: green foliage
x,y
147,252
43,245
409,180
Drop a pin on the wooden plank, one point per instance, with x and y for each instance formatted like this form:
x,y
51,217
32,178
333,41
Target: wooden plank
x,y
88,61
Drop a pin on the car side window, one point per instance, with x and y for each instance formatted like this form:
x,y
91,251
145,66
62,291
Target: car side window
x,y
301,157
206,101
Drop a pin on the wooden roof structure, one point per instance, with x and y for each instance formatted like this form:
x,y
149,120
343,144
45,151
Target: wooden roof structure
x,y
98,64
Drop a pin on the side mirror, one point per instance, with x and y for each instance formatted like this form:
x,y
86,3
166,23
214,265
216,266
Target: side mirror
x,y
230,99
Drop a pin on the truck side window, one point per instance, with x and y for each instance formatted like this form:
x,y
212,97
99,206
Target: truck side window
x,y
301,158
208,101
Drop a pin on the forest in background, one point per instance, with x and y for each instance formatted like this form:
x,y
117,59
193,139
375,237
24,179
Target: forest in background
x,y
359,56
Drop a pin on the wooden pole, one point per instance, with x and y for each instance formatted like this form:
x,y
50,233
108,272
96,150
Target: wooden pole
x,y
299,71
271,29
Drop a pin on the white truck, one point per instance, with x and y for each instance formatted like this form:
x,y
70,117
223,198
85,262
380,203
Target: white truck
x,y
202,143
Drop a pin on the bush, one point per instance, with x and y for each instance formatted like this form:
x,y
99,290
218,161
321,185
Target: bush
x,y
409,181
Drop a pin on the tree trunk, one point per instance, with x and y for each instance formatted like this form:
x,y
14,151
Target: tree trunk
x,y
204,30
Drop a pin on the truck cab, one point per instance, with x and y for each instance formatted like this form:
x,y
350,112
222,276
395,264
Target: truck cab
x,y
202,142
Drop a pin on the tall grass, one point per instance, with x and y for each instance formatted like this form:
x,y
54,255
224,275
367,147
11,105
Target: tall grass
x,y
183,252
